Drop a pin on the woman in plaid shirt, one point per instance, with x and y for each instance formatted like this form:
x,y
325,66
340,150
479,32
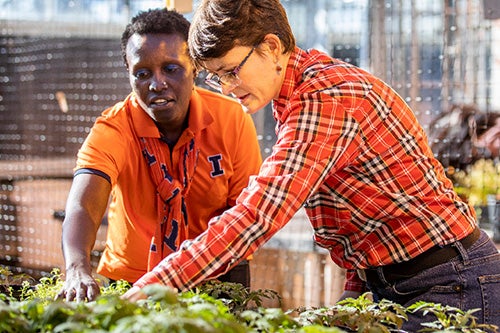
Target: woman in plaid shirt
x,y
353,154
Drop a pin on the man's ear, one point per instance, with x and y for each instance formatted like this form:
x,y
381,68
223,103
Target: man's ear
x,y
196,71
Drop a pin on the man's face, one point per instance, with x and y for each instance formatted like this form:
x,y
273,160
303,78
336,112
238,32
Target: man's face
x,y
162,76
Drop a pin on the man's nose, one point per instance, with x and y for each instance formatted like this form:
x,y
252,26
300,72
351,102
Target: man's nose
x,y
158,85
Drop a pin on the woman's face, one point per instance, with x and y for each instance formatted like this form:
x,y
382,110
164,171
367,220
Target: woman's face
x,y
260,81
162,76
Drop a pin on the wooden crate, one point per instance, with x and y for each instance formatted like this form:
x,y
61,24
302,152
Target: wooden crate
x,y
37,230
301,278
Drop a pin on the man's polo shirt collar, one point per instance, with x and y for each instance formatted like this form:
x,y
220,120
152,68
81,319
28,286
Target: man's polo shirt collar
x,y
199,117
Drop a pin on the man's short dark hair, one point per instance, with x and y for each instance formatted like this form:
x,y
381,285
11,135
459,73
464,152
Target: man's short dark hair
x,y
154,21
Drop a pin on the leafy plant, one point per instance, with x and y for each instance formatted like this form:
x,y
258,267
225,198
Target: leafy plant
x,y
46,288
269,320
12,319
450,319
236,296
358,315
7,278
13,285
214,308
478,181
116,288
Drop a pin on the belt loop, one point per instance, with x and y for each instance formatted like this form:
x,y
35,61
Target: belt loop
x,y
461,251
464,244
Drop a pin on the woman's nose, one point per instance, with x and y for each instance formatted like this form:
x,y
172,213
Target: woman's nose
x,y
226,89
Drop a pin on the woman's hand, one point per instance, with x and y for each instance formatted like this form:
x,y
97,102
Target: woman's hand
x,y
134,294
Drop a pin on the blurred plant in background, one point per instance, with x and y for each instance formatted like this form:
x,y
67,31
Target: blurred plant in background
x,y
478,181
479,184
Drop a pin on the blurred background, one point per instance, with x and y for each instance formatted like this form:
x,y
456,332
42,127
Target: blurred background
x,y
61,66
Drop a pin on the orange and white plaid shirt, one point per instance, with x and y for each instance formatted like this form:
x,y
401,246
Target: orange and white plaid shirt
x,y
351,152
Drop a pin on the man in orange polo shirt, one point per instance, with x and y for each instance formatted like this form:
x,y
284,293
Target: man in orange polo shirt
x,y
170,156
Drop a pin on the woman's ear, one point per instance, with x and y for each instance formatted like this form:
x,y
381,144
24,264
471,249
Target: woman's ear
x,y
273,42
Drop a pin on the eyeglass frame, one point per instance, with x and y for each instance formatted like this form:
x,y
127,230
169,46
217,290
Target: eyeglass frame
x,y
217,82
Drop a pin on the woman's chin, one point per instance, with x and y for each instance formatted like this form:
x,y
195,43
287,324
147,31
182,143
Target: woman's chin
x,y
252,108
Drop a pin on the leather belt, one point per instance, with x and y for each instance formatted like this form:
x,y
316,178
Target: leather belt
x,y
434,256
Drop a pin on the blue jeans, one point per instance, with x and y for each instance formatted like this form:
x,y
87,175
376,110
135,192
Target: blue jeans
x,y
469,281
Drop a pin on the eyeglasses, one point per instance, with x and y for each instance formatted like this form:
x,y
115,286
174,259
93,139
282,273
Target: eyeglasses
x,y
230,79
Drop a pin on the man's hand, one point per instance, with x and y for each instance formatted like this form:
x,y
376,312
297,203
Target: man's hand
x,y
134,294
79,286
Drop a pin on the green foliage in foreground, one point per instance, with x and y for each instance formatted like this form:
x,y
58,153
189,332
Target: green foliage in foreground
x,y
212,307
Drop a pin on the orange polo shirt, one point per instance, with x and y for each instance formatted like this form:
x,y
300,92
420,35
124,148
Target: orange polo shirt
x,y
229,154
